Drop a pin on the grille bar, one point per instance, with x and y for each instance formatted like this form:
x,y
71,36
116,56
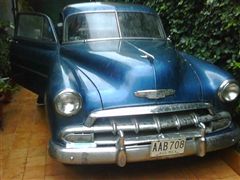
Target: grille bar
x,y
157,123
144,110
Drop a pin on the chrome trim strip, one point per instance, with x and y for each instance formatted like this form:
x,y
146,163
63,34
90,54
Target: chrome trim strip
x,y
144,110
93,11
195,118
158,124
147,139
155,124
120,146
155,94
136,124
65,35
136,153
113,38
202,141
177,122
114,127
118,24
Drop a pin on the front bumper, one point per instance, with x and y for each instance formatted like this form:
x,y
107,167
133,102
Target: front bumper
x,y
197,143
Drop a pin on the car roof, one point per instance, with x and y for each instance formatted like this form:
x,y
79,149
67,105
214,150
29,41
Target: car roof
x,y
104,6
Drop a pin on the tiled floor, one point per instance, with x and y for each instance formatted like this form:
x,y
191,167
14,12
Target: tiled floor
x,y
23,153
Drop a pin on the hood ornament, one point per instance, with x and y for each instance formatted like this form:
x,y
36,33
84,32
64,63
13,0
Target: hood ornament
x,y
146,55
155,94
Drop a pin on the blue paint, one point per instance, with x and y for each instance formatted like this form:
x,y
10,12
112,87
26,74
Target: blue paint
x,y
107,73
101,6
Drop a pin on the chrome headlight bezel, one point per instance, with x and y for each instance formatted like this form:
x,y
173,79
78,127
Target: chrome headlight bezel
x,y
227,87
66,94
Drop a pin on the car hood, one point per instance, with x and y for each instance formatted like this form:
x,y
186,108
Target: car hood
x,y
119,68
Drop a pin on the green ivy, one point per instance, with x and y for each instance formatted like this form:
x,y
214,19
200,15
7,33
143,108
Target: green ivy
x,y
209,29
4,53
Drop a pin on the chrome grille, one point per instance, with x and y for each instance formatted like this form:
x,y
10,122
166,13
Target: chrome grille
x,y
144,124
157,123
144,110
138,127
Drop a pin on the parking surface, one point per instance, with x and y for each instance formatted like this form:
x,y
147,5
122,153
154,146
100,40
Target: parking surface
x,y
23,153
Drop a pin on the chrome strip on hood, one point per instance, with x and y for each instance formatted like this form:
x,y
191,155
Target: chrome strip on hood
x,y
144,110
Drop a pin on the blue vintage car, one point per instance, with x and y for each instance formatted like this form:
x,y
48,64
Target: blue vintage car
x,y
116,90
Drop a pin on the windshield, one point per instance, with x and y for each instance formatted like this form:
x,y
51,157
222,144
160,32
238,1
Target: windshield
x,y
99,25
91,26
139,25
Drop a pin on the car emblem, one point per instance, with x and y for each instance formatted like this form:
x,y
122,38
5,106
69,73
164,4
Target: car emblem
x,y
155,94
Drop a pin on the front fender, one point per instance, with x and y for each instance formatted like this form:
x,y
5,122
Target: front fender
x,y
211,77
65,76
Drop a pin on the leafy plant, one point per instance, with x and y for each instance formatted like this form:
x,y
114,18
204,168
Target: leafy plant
x,y
208,29
6,86
4,50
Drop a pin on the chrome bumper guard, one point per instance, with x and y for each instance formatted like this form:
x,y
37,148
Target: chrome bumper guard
x,y
197,143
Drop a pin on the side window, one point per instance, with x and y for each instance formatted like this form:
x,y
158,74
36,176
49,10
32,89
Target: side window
x,y
34,27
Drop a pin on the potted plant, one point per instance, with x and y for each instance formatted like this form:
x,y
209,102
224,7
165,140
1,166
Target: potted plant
x,y
6,90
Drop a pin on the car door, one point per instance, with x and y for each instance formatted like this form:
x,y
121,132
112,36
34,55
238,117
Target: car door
x,y
33,51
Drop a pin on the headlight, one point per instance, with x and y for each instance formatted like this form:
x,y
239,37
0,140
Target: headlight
x,y
228,91
68,103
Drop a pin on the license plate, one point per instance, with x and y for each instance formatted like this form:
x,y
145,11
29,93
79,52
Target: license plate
x,y
167,147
